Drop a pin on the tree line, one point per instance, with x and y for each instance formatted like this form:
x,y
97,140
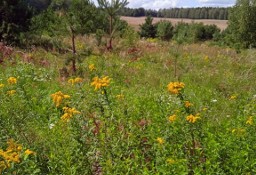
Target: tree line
x,y
190,13
46,22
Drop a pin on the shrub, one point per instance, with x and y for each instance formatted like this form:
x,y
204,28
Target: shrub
x,y
165,30
148,29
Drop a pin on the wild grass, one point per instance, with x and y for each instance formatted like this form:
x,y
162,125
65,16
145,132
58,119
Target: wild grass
x,y
124,127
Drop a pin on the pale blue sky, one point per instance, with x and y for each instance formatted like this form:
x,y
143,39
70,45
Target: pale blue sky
x,y
157,4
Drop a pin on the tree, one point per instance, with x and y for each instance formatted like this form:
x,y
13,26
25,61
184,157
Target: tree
x,y
15,18
165,30
111,9
148,29
242,25
78,17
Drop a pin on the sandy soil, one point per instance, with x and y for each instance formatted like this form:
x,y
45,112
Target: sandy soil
x,y
136,21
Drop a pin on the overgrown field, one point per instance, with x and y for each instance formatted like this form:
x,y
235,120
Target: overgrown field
x,y
158,108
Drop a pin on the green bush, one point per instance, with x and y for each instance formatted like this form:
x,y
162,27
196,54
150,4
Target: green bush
x,y
148,29
164,30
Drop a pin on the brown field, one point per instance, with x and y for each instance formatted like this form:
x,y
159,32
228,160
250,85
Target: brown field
x,y
136,21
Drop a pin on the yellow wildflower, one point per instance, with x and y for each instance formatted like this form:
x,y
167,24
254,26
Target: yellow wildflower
x,y
205,109
249,121
78,80
120,96
98,83
28,152
233,97
71,81
170,161
92,67
175,87
172,118
160,140
188,104
68,113
58,98
11,92
1,85
192,119
12,80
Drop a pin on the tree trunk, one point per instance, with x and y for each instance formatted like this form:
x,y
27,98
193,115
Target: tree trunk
x,y
110,32
73,50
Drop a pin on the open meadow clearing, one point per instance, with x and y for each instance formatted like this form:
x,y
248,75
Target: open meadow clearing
x,y
137,21
156,108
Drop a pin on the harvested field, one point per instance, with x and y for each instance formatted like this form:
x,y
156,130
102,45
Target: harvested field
x,y
136,21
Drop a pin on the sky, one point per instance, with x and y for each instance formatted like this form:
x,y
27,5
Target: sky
x,y
158,4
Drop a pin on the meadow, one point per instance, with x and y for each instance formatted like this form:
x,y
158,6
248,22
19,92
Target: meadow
x,y
152,108
137,21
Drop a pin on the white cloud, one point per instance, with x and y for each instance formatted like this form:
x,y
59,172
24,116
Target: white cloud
x,y
158,4
219,3
153,4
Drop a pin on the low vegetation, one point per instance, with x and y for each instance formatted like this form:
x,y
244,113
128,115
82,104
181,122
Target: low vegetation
x,y
173,104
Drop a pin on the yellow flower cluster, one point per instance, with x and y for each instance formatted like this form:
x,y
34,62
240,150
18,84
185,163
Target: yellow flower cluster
x,y
75,80
29,152
172,118
10,155
12,80
160,140
98,83
249,121
68,113
175,87
188,104
11,92
58,98
192,119
120,97
1,85
92,67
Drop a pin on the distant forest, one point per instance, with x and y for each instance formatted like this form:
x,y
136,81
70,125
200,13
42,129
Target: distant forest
x,y
190,13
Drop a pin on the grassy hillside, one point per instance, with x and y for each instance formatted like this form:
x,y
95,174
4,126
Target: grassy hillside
x,y
158,108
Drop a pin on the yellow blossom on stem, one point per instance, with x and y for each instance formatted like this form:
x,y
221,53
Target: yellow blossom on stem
x,y
98,83
120,97
188,104
75,80
71,81
58,98
1,85
175,87
170,161
249,121
233,97
11,92
12,80
92,67
28,152
160,140
68,113
78,80
192,119
172,118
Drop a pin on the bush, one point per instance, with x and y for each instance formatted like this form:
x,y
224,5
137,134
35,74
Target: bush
x,y
164,30
195,32
148,29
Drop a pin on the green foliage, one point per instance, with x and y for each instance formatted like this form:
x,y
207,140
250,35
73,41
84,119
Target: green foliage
x,y
164,30
195,32
130,37
148,29
14,20
111,9
130,122
242,25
